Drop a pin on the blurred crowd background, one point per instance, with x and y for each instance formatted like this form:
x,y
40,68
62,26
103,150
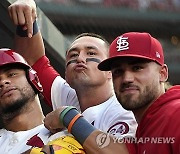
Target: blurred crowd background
x,y
164,5
109,18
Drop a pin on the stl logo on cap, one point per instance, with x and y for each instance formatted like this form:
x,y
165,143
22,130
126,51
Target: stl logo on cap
x,y
122,43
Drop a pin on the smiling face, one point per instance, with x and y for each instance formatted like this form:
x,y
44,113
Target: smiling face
x,y
15,90
82,60
137,82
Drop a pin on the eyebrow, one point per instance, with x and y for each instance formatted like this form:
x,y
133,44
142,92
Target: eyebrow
x,y
72,49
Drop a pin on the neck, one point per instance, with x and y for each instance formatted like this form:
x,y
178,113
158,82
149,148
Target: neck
x,y
91,96
29,118
139,113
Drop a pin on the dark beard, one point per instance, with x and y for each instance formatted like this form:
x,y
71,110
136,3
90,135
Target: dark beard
x,y
17,107
147,97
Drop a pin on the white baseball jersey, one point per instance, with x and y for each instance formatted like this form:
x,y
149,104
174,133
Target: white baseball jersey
x,y
18,142
108,116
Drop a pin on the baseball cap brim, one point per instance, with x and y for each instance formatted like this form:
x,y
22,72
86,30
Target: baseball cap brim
x,y
105,65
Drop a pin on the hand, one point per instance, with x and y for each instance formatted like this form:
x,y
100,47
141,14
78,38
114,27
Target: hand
x,y
23,12
52,121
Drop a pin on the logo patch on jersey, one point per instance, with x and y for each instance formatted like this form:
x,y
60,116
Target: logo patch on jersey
x,y
120,127
35,141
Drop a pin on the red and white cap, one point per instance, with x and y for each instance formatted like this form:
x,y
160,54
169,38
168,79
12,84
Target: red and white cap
x,y
134,44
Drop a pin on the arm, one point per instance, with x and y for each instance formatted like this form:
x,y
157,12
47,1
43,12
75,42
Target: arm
x,y
91,145
92,139
31,47
23,13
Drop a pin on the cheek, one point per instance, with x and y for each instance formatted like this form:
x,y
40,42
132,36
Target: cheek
x,y
116,84
149,78
68,74
69,69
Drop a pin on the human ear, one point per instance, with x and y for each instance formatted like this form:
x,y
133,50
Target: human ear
x,y
109,75
163,73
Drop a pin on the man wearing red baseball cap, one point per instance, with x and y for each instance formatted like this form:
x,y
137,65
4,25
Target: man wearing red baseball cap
x,y
139,73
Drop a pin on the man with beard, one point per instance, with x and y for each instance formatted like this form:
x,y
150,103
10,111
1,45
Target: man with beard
x,y
139,73
20,109
87,88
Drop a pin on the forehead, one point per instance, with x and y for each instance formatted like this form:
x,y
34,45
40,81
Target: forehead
x,y
88,41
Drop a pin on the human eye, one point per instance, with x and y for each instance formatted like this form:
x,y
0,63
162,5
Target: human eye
x,y
12,74
73,54
117,72
137,68
91,53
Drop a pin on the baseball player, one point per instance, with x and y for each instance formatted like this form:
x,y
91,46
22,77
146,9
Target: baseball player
x,y
20,108
21,112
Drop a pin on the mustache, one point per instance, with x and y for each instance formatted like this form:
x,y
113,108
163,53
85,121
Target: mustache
x,y
128,85
87,60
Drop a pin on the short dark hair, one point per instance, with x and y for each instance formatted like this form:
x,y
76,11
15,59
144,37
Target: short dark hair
x,y
92,35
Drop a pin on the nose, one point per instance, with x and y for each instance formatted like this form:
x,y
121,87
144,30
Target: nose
x,y
81,58
3,82
128,77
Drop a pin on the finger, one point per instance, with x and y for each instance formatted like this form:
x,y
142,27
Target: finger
x,y
50,128
60,129
9,11
34,15
47,123
24,27
53,131
13,15
29,22
20,16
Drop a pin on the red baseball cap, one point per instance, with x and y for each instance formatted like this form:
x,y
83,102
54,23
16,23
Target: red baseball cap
x,y
134,44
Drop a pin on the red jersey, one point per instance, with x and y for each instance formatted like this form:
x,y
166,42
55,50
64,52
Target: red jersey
x,y
158,132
